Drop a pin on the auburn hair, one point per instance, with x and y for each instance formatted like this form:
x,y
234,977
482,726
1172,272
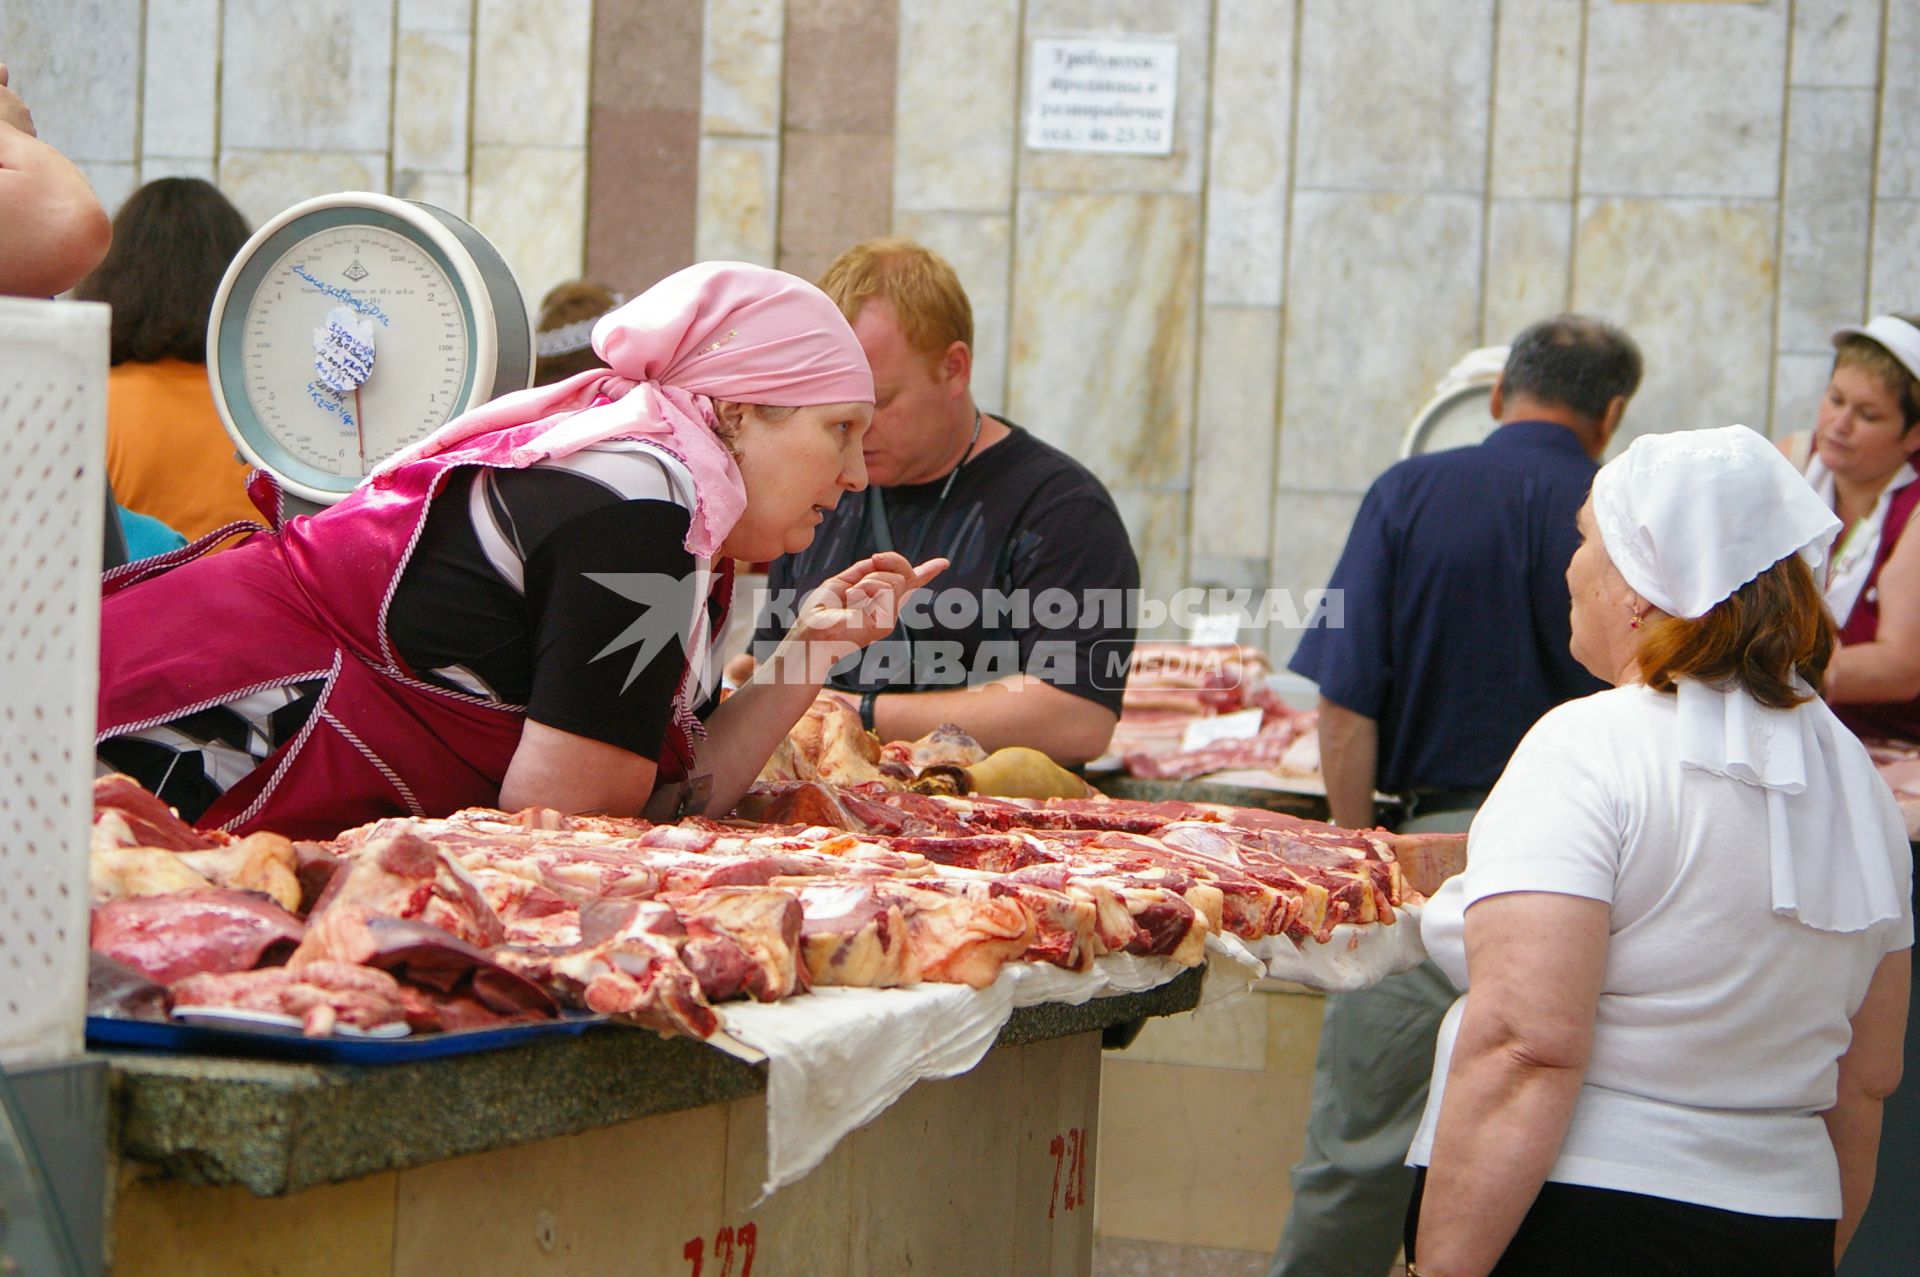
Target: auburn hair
x,y
1770,630
926,296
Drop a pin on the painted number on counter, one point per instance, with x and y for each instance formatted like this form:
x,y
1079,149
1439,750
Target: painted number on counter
x,y
729,1240
1069,1170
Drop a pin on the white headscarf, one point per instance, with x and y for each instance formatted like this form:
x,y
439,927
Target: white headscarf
x,y
1688,518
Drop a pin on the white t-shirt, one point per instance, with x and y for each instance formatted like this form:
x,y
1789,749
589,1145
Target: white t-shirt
x,y
1720,1023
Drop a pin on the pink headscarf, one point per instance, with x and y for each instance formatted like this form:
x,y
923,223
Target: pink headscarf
x,y
716,330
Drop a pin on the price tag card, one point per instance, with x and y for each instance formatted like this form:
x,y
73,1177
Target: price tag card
x,y
1216,629
1240,725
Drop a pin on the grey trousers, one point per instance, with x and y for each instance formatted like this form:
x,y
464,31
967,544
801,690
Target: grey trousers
x,y
1351,1187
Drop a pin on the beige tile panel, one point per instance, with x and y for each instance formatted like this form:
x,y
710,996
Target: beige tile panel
x,y
841,57
531,202
956,99
164,1228
177,99
306,77
1529,251
1227,1188
1799,383
1536,100
443,190
437,15
1228,1034
76,64
1309,531
738,200
429,92
1383,298
1836,42
834,189
979,246
623,1199
1247,160
740,60
1121,19
530,66
263,183
1394,96
1156,523
1683,99
1054,1185
1235,430
153,167
805,1227
1900,105
112,182
1693,282
1895,281
1824,222
1102,360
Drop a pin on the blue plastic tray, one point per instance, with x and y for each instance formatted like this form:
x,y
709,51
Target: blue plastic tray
x,y
187,1039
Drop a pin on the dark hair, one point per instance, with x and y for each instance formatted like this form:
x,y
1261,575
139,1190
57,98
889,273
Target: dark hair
x,y
1770,629
1576,361
1867,354
172,241
576,301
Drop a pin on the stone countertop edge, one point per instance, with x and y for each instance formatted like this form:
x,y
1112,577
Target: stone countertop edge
x,y
277,1128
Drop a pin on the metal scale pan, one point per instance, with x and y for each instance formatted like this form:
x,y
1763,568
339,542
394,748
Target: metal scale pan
x,y
418,307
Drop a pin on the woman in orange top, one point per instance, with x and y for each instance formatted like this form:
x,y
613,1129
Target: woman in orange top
x,y
167,454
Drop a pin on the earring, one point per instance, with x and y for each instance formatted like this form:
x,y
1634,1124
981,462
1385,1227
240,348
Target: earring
x,y
1634,624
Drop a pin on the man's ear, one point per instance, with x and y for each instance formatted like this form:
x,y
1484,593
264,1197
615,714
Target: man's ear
x,y
1497,398
955,368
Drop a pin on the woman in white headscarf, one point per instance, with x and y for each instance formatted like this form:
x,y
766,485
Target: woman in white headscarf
x,y
1684,919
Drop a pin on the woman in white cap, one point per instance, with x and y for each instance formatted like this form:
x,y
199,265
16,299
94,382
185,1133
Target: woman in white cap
x,y
1862,463
1684,919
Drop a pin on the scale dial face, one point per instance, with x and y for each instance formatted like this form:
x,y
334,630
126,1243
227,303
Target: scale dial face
x,y
420,335
418,318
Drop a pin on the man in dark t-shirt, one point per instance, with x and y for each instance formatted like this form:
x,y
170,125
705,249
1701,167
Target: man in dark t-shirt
x,y
1026,638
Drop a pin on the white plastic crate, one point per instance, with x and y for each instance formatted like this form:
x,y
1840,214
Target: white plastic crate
x,y
53,429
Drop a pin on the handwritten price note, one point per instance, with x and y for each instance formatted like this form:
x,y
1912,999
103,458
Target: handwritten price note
x,y
729,1243
343,351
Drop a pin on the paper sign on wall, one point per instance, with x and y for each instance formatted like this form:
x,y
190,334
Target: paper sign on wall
x,y
1102,95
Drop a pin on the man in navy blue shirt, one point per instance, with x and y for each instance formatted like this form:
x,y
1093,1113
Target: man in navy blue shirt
x,y
1455,639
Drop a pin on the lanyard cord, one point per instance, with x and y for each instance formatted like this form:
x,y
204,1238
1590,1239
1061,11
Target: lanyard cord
x,y
883,533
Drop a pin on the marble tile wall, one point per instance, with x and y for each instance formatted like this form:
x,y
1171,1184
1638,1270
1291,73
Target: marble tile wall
x,y
1233,335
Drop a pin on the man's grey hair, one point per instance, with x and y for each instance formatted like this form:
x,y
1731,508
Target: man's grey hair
x,y
1576,361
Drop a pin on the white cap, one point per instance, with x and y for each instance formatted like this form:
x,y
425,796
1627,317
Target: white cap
x,y
1690,517
1900,338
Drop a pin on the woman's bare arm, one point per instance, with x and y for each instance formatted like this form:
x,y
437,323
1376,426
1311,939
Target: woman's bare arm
x,y
1869,1072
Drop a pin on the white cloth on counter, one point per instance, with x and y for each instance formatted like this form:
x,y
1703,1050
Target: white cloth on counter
x,y
1720,1021
838,1057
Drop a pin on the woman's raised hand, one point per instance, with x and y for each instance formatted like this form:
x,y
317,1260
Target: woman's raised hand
x,y
862,604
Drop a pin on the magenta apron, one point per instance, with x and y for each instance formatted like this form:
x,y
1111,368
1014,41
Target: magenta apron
x,y
308,601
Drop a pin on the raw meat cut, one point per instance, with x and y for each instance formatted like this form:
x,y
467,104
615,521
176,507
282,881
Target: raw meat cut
x,y
167,938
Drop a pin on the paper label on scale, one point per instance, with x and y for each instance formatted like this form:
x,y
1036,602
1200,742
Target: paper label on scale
x,y
1240,725
343,351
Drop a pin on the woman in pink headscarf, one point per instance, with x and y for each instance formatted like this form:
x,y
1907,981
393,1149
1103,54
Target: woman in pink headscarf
x,y
516,612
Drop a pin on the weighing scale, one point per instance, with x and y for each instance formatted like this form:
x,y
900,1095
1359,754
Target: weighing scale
x,y
354,325
1457,414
